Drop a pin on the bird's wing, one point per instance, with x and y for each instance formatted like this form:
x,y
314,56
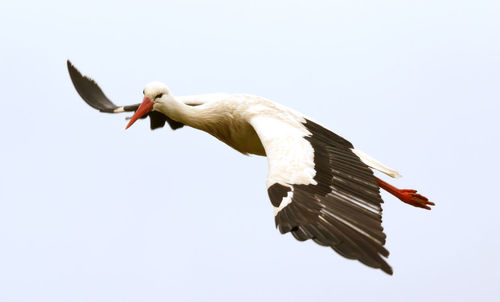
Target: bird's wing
x,y
93,95
321,190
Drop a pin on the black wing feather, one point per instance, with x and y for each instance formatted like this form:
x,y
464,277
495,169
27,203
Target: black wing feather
x,y
343,210
93,95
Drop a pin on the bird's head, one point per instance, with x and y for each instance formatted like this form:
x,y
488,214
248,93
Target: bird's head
x,y
154,93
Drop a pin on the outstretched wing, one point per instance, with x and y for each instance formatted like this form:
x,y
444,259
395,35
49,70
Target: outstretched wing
x,y
93,95
321,190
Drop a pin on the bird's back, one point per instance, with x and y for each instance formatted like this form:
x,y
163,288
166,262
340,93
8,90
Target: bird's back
x,y
228,116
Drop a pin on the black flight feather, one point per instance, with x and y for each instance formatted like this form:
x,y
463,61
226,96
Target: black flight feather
x,y
93,95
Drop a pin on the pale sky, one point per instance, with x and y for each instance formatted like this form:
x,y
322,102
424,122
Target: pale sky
x,y
91,212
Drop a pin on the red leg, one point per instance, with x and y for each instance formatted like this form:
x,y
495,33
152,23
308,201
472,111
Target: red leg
x,y
407,196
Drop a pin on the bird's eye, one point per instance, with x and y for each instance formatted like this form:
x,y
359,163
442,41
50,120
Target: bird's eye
x,y
160,95
144,92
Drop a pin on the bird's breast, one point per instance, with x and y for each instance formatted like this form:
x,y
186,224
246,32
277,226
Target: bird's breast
x,y
238,134
248,142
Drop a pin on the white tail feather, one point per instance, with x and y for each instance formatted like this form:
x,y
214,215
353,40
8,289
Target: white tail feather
x,y
372,163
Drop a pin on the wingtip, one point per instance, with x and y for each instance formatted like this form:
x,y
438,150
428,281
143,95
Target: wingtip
x,y
73,72
386,268
69,64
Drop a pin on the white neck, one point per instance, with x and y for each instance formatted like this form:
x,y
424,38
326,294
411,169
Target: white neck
x,y
180,112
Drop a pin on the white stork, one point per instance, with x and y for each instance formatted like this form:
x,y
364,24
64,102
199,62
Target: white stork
x,y
321,187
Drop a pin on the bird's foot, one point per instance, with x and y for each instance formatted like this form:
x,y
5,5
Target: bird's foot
x,y
406,195
412,198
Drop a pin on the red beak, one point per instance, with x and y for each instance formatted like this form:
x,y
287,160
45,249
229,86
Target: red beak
x,y
145,107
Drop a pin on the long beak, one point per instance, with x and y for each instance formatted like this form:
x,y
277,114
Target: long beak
x,y
145,107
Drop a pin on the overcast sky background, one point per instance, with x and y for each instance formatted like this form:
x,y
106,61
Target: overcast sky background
x,y
91,212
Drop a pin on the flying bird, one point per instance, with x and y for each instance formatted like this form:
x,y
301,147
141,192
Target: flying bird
x,y
321,187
